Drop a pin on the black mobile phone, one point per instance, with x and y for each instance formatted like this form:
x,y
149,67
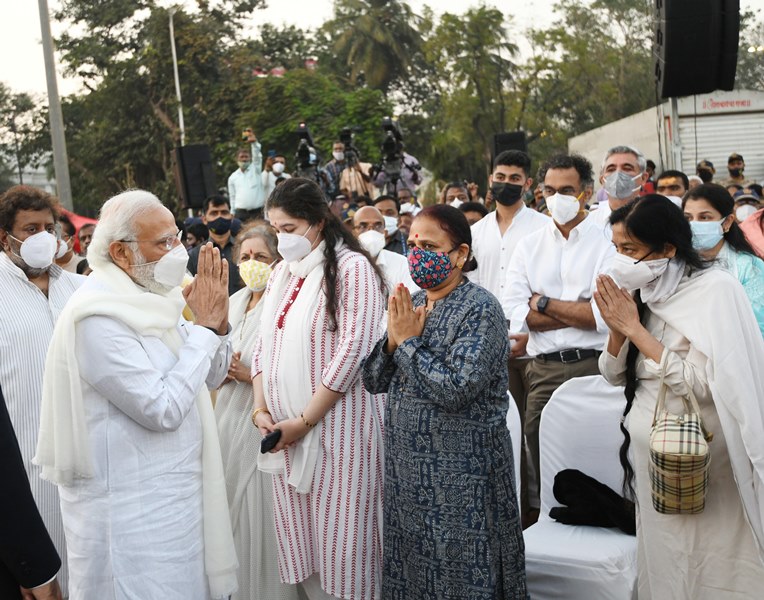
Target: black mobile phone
x,y
269,442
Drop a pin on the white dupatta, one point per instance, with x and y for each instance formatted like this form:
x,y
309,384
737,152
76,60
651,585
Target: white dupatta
x,y
296,391
63,451
711,309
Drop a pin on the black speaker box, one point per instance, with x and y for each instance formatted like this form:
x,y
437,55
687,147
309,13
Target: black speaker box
x,y
195,174
695,46
509,140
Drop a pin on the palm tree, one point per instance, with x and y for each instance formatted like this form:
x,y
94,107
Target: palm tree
x,y
375,40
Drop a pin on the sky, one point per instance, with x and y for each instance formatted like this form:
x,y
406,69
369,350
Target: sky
x,y
22,67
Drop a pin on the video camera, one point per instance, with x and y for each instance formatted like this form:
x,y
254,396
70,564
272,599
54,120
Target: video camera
x,y
352,154
304,147
392,156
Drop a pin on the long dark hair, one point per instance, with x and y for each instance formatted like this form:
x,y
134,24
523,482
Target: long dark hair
x,y
655,221
719,198
301,198
455,224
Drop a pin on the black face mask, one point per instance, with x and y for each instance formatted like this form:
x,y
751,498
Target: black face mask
x,y
735,172
706,175
506,193
220,226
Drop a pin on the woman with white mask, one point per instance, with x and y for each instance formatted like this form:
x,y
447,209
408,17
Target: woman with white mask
x,y
717,236
250,491
673,320
321,315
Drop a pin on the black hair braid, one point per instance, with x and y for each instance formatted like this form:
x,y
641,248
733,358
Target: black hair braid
x,y
630,393
330,284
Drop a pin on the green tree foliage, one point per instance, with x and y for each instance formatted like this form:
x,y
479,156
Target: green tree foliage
x,y
373,40
17,123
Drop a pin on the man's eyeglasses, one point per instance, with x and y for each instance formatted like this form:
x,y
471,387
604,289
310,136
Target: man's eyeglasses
x,y
168,242
380,227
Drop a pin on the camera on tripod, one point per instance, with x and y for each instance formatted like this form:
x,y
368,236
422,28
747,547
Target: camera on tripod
x,y
352,154
305,145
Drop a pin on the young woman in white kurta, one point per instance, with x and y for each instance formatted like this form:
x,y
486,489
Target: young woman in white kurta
x,y
697,328
321,316
250,491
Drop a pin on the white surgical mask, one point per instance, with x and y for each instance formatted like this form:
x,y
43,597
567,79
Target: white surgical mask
x,y
38,250
620,185
372,241
391,224
633,275
293,247
63,248
676,200
744,211
171,268
278,168
706,234
563,208
338,156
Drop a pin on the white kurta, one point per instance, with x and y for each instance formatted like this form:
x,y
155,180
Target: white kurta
x,y
134,531
27,318
250,491
335,529
705,556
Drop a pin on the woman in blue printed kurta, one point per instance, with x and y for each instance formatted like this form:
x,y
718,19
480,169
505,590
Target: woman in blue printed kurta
x,y
452,528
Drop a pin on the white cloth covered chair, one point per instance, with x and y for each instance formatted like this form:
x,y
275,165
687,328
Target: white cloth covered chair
x,y
580,430
516,433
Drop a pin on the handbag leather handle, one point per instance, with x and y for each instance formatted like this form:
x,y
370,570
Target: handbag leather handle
x,y
689,407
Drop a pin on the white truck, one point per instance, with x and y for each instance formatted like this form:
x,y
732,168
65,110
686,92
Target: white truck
x,y
706,126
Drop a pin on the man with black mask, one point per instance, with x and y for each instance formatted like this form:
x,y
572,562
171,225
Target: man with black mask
x,y
735,167
218,219
494,239
705,170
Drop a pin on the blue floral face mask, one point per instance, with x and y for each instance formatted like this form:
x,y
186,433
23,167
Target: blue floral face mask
x,y
429,269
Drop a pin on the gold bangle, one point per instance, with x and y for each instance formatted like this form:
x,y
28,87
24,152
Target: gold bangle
x,y
307,423
256,412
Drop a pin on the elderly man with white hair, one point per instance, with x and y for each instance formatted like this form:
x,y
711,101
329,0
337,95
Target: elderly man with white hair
x,y
127,429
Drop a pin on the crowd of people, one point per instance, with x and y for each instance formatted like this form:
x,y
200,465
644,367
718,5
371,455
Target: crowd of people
x,y
303,391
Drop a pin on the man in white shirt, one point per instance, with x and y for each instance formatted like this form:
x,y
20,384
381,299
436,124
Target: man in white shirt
x,y
369,228
623,173
34,291
275,170
246,191
127,429
494,239
552,275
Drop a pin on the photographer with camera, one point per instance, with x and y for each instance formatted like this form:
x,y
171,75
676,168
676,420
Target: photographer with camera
x,y
245,185
398,169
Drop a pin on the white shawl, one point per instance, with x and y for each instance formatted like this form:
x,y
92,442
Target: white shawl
x,y
63,451
294,392
711,309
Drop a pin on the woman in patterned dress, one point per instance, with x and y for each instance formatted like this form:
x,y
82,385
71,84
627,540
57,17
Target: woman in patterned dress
x,y
250,491
321,317
452,527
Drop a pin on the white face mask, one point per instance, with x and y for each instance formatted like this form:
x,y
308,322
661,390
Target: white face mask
x,y
171,268
563,208
38,250
338,156
278,168
293,247
744,211
391,224
63,248
372,241
633,275
676,200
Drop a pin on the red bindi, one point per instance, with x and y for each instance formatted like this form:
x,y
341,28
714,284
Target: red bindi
x,y
416,235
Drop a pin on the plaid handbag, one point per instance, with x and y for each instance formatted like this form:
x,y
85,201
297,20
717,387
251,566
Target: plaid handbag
x,y
679,457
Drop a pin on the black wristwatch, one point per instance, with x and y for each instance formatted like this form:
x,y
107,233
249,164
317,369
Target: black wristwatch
x,y
541,304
